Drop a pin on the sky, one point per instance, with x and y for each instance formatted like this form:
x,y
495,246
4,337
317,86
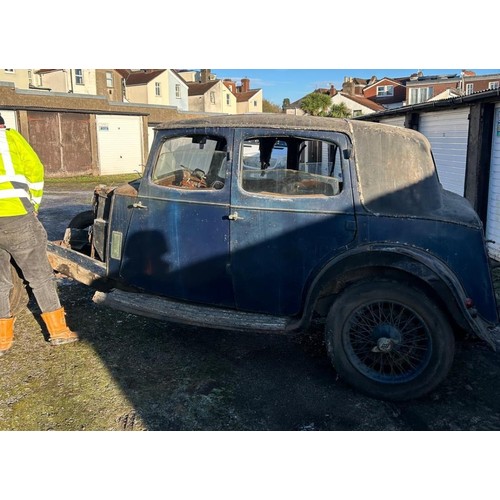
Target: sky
x,y
278,84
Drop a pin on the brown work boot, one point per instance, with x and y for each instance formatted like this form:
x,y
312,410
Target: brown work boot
x,y
6,334
58,330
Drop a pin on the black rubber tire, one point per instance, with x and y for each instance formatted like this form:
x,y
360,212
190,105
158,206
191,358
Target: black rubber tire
x,y
82,220
389,340
19,296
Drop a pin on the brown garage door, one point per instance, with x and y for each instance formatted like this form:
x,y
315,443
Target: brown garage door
x,y
62,141
44,139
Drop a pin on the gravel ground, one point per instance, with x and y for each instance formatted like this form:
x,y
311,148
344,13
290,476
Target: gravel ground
x,y
133,373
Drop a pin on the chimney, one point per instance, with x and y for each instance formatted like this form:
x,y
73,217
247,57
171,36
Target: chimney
x,y
205,75
230,85
245,84
348,86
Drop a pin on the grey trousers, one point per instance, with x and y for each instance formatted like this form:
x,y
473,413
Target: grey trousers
x,y
25,239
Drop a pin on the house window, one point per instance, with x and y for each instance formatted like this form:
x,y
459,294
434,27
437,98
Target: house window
x,y
228,100
469,89
79,76
109,79
385,91
493,85
157,89
30,77
357,112
9,70
255,104
420,94
177,91
212,97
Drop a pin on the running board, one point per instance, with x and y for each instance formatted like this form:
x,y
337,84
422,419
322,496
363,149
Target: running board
x,y
193,314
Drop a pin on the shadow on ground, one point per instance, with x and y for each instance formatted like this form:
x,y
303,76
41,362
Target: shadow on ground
x,y
185,378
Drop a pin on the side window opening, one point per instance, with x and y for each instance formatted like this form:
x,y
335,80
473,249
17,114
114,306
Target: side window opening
x,y
191,162
291,166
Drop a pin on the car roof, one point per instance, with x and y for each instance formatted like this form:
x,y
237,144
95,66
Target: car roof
x,y
290,122
258,120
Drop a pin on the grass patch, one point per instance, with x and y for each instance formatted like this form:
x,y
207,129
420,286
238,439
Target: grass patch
x,y
89,181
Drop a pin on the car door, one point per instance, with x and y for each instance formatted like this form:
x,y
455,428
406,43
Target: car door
x,y
291,211
177,243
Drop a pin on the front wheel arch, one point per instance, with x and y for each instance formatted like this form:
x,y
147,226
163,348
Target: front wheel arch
x,y
402,351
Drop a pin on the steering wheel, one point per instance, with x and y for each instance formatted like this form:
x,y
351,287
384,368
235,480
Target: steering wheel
x,y
198,172
193,178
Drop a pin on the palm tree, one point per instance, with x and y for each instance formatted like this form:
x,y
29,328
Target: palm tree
x,y
339,111
316,104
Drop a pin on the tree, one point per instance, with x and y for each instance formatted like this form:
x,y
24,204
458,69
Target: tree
x,y
270,107
316,104
339,111
286,103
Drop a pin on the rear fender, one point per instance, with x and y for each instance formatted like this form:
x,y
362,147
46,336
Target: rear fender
x,y
416,265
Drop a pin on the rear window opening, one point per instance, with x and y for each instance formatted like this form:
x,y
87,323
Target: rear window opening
x,y
291,166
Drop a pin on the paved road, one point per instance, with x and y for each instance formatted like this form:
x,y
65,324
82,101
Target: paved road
x,y
59,207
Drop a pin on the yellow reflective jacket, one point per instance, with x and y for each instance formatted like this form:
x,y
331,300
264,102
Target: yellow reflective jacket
x,y
21,175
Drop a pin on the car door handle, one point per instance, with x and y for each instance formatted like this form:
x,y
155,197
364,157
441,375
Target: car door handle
x,y
234,216
138,205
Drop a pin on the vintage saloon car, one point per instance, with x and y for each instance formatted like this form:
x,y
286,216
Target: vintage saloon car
x,y
349,223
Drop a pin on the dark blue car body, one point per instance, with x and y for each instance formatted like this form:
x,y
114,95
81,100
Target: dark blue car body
x,y
213,236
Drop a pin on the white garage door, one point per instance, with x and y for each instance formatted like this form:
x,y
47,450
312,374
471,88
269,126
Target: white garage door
x,y
119,141
493,214
151,136
398,121
447,132
9,117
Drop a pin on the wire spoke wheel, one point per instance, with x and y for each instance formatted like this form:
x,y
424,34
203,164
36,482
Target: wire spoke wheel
x,y
388,342
389,339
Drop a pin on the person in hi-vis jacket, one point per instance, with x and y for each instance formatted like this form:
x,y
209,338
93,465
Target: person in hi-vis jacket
x,y
24,239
